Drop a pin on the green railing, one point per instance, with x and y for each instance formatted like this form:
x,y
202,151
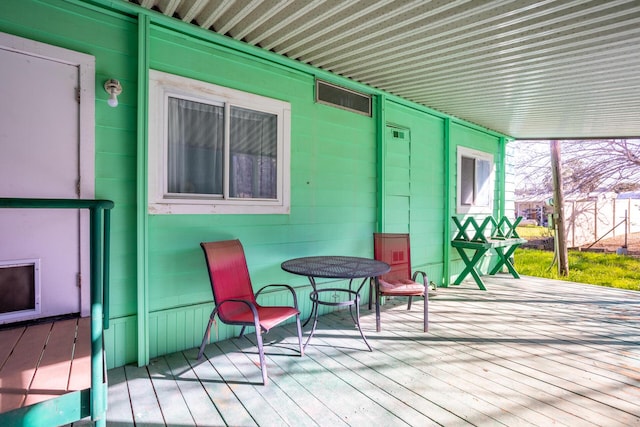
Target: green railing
x,y
99,218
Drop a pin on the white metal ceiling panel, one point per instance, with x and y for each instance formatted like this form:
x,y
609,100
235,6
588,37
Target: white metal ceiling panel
x,y
526,68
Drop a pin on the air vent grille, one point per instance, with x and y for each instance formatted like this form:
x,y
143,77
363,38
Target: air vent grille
x,y
340,97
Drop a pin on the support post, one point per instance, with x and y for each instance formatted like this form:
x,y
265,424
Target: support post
x,y
381,126
448,191
142,238
626,228
558,209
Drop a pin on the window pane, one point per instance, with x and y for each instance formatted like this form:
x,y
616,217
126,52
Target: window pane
x,y
467,175
483,190
195,147
253,152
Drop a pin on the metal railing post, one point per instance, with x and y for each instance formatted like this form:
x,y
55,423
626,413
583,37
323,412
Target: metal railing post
x,y
99,230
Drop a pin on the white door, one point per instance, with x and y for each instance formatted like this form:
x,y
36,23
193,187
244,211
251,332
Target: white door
x,y
39,157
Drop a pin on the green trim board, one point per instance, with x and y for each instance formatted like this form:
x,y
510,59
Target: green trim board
x,y
448,191
65,409
381,123
501,178
142,236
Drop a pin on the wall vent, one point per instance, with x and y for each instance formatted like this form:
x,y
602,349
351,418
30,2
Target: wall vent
x,y
340,97
398,134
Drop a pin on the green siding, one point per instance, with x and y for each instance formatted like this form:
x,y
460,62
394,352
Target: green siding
x,y
333,194
334,175
332,189
120,341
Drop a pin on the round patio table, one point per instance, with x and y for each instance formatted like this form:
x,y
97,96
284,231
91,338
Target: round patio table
x,y
336,267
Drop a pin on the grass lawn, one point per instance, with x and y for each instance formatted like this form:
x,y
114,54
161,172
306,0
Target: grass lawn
x,y
603,269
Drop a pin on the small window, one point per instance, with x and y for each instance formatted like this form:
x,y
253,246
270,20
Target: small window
x,y
216,150
475,181
329,94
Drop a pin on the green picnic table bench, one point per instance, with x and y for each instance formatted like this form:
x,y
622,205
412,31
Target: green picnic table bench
x,y
479,238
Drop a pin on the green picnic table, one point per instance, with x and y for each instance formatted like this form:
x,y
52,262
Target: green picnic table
x,y
500,236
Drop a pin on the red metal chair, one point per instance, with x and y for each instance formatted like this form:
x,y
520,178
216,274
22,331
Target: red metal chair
x,y
235,302
394,249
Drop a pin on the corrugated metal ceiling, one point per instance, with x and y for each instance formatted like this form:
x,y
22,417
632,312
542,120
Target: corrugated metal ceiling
x,y
526,68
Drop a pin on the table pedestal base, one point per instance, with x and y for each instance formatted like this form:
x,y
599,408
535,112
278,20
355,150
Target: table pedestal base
x,y
354,301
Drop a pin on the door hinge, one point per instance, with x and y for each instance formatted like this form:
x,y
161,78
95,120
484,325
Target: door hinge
x,y
78,187
79,284
78,95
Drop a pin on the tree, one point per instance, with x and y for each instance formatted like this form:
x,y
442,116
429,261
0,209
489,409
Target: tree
x,y
588,165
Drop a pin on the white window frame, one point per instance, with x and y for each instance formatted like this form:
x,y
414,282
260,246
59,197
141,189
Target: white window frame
x,y
161,87
475,208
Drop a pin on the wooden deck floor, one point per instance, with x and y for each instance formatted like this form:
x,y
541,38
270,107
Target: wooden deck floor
x,y
525,352
42,361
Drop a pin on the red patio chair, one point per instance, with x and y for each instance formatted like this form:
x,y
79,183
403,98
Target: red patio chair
x,y
394,249
235,302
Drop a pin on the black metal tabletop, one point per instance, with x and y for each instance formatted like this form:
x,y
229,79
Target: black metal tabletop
x,y
336,267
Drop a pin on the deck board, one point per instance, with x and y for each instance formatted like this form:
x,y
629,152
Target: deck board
x,y
389,406
485,368
226,404
18,370
51,377
302,407
119,401
529,352
145,406
172,403
478,367
8,338
194,395
80,375
400,367
264,404
37,361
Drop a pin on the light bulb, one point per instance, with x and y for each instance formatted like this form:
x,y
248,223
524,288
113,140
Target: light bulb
x,y
113,99
113,88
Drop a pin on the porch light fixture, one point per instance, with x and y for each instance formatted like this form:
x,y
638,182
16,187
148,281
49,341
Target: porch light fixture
x,y
114,89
